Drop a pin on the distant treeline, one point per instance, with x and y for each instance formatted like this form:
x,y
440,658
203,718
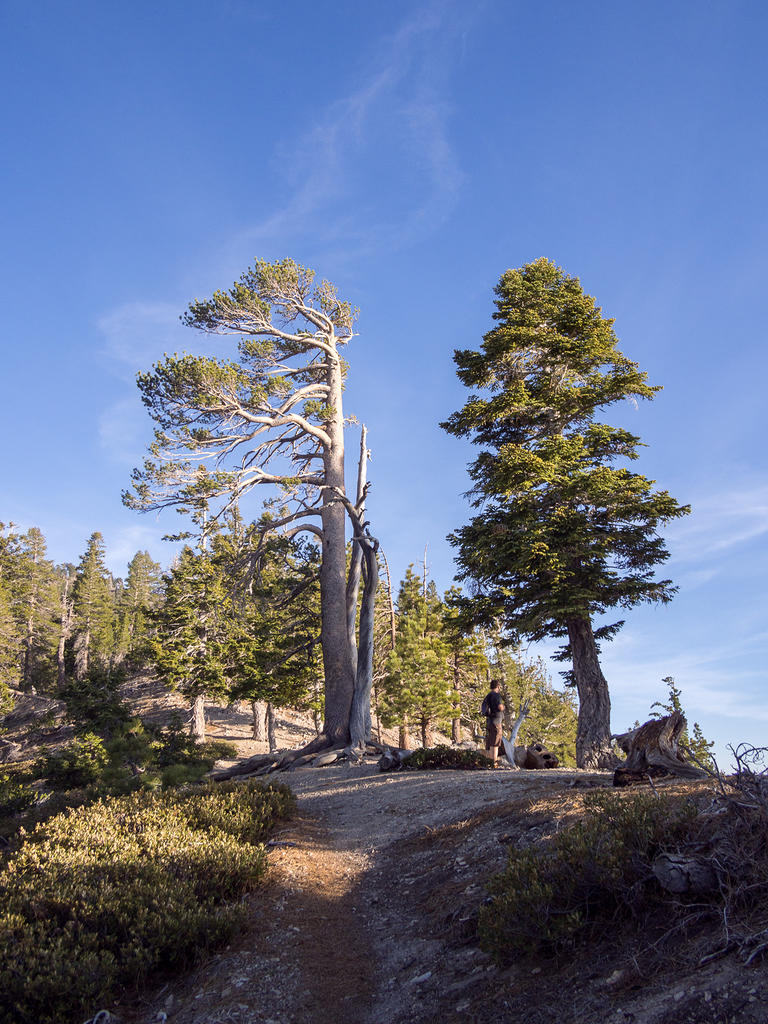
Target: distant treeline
x,y
238,618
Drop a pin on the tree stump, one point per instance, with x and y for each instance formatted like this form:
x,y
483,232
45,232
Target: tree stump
x,y
652,751
534,757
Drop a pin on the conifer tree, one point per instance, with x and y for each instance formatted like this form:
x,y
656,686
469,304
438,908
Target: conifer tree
x,y
563,533
468,662
697,743
30,584
272,417
10,649
140,596
552,716
38,599
93,630
276,620
192,645
419,685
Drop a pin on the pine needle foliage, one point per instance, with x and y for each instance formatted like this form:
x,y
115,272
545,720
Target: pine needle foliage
x,y
565,531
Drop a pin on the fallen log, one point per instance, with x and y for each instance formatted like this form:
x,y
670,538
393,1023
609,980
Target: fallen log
x,y
393,758
653,752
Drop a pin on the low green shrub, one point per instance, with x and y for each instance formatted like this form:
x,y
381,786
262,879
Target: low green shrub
x,y
99,898
79,763
595,870
16,795
135,756
444,756
94,703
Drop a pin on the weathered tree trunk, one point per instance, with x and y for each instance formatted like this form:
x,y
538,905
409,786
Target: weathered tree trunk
x,y
375,703
271,735
65,625
356,561
82,654
427,734
680,874
402,735
334,639
652,751
456,722
534,757
593,736
364,549
360,715
197,723
392,759
259,712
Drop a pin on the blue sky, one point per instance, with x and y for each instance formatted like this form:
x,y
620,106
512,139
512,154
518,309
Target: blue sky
x,y
410,153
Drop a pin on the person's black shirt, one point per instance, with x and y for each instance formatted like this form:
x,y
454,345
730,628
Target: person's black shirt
x,y
493,702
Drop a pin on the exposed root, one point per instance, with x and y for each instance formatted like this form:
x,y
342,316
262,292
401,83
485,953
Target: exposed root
x,y
265,764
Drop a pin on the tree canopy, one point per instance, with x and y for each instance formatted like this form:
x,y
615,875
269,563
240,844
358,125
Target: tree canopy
x,y
565,531
272,416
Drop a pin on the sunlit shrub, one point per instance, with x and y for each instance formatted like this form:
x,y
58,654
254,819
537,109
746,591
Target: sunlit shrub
x,y
546,900
102,896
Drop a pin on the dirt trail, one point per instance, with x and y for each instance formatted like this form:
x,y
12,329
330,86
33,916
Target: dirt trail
x,y
347,927
369,917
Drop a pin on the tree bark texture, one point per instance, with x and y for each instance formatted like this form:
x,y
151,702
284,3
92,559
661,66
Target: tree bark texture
x,y
593,737
259,711
334,639
65,626
197,724
402,735
271,729
652,751
356,562
427,735
456,722
360,715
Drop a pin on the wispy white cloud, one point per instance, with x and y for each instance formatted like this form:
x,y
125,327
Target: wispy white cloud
x,y
398,113
137,334
720,523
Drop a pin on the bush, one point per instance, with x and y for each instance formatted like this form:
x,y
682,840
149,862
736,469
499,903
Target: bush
x,y
444,756
94,703
99,898
16,795
544,902
79,763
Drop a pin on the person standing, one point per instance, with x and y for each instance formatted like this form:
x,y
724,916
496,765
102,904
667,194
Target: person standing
x,y
493,709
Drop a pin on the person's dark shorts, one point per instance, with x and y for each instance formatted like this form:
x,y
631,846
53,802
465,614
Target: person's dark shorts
x,y
493,735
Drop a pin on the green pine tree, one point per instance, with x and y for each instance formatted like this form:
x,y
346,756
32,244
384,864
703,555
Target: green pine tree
x,y
11,641
468,663
37,585
552,718
191,645
140,596
565,531
275,588
419,686
93,626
